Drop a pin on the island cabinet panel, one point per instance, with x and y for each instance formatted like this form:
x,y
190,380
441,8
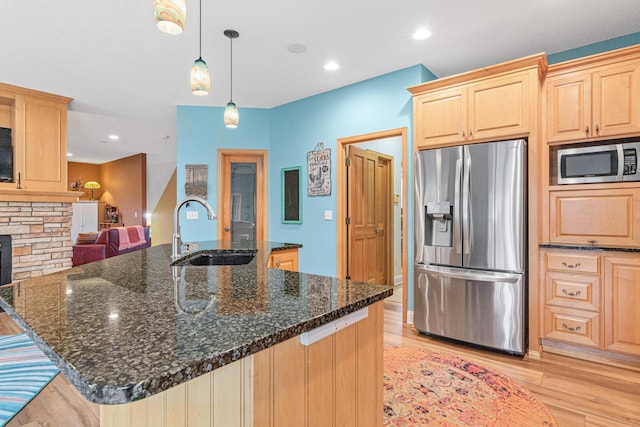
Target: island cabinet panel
x,y
601,217
337,381
345,370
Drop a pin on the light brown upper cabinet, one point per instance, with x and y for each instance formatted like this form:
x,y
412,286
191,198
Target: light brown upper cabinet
x,y
483,105
38,122
593,100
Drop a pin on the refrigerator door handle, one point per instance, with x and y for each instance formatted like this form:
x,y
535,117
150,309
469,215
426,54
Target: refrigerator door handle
x,y
456,208
478,276
465,201
419,210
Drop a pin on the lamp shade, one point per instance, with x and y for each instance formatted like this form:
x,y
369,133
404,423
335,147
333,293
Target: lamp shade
x,y
231,117
92,185
200,79
170,15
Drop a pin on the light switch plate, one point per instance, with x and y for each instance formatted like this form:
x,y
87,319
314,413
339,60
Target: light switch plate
x,y
328,215
192,214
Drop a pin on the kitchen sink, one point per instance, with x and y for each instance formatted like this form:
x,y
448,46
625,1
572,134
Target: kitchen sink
x,y
218,257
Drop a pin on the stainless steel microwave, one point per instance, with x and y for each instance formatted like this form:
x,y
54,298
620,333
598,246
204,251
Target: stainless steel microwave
x,y
601,163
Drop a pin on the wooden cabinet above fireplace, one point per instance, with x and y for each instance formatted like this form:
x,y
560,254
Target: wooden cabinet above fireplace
x,y
38,123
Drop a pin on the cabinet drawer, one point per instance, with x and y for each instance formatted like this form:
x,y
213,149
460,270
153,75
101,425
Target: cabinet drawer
x,y
573,262
572,326
573,291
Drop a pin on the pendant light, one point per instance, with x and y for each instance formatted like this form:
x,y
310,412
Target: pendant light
x,y
200,78
231,116
170,15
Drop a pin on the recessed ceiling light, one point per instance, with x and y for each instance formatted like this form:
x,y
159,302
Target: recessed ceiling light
x,y
422,34
331,66
114,137
296,48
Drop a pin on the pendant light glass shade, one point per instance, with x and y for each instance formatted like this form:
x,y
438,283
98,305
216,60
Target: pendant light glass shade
x,y
200,78
170,15
231,117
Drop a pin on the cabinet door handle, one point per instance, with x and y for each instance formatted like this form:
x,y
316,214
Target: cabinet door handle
x,y
571,294
597,129
576,265
462,134
470,133
586,130
569,328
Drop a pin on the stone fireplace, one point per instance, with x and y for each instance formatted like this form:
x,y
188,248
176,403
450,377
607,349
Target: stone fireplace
x,y
40,237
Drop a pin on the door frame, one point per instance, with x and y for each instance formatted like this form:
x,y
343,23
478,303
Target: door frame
x,y
341,203
262,203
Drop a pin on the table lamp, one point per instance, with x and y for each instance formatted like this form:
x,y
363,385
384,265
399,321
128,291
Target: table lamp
x,y
92,185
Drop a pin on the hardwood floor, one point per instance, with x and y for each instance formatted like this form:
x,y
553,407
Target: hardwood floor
x,y
578,393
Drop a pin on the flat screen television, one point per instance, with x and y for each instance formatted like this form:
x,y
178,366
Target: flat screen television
x,y
6,156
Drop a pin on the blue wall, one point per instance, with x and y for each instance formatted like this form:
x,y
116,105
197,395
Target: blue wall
x,y
291,130
592,49
201,132
377,104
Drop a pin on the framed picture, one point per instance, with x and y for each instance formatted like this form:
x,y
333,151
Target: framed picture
x,y
291,196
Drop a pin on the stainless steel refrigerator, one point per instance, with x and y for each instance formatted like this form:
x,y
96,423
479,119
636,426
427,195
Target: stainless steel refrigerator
x,y
470,244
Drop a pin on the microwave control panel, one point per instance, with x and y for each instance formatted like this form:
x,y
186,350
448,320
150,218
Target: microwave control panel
x,y
630,161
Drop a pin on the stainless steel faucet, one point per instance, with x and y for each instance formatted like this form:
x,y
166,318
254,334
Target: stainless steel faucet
x,y
175,252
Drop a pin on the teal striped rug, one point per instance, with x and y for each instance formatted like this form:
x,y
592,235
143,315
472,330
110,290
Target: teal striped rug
x,y
24,371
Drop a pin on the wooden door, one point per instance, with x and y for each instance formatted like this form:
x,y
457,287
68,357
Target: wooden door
x,y
242,195
568,107
440,118
622,303
499,107
616,100
370,186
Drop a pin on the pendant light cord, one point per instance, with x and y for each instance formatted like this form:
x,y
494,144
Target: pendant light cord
x,y
231,70
200,49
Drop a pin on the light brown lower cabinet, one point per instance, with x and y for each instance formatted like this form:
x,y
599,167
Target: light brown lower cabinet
x,y
591,301
622,303
284,259
337,381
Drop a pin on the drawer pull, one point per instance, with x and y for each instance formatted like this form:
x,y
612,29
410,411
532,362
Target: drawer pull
x,y
571,294
277,263
568,328
576,265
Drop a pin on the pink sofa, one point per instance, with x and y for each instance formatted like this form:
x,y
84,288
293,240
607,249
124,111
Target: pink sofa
x,y
110,242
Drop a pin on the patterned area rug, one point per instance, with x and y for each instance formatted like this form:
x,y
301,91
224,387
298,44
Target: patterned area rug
x,y
24,371
423,387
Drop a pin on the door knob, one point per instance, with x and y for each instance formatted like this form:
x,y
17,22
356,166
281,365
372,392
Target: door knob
x,y
227,229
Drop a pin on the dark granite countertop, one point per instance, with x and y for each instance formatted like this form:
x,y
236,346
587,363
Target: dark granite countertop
x,y
589,247
131,326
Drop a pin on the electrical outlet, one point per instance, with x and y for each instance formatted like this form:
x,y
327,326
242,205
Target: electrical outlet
x,y
328,215
192,214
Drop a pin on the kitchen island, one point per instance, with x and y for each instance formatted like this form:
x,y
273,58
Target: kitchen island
x,y
155,344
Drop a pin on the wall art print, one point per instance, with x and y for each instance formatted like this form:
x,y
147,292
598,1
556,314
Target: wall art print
x,y
319,171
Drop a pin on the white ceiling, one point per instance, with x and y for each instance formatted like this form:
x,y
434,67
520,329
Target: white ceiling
x,y
127,77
